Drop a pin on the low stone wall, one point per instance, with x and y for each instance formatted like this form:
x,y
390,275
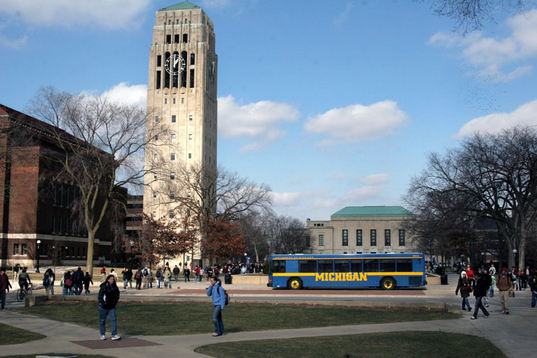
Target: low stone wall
x,y
433,279
248,279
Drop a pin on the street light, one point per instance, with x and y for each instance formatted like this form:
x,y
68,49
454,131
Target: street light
x,y
514,257
37,268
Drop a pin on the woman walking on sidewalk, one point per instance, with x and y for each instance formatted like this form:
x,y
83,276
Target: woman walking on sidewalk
x,y
464,287
108,298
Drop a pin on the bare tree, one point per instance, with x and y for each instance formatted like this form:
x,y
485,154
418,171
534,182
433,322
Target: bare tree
x,y
470,14
102,146
288,235
255,228
495,177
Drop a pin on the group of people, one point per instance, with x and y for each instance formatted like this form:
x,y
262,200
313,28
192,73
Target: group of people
x,y
481,283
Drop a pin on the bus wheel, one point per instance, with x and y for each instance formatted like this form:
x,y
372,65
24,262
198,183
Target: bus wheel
x,y
295,284
388,283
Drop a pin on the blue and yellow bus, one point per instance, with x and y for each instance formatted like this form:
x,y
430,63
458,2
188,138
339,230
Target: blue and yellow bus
x,y
387,271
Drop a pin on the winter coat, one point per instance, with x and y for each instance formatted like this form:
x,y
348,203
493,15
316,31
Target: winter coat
x,y
481,287
464,286
504,282
108,295
167,275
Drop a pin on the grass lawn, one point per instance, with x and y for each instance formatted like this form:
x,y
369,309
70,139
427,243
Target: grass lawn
x,y
395,344
12,335
194,318
60,355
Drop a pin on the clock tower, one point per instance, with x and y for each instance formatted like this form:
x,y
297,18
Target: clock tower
x,y
182,97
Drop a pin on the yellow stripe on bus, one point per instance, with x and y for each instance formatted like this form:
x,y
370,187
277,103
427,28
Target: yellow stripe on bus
x,y
346,276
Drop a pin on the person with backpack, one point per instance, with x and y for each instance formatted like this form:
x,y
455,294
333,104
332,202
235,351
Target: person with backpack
x,y
219,303
87,280
505,285
67,284
158,276
78,278
138,276
48,281
147,277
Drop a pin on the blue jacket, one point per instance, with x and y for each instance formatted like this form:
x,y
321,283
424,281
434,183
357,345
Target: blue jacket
x,y
219,299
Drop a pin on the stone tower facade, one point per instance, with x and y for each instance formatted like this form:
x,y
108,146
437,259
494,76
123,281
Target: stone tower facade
x,y
182,95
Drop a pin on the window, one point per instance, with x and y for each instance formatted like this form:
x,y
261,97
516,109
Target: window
x,y
154,194
159,60
15,249
190,117
387,238
278,266
174,118
182,100
190,136
173,137
24,249
192,59
373,237
170,214
172,176
345,237
156,119
341,266
174,100
155,176
371,265
185,36
156,136
356,265
404,265
158,80
387,265
176,38
165,101
401,237
189,155
307,266
168,39
321,240
326,266
359,241
172,156
172,195
169,22
154,214
155,157
191,78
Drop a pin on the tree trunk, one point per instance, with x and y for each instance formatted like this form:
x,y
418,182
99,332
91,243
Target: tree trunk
x,y
89,256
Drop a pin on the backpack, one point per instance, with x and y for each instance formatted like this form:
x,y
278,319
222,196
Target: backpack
x,y
226,295
138,276
146,272
68,282
46,280
158,274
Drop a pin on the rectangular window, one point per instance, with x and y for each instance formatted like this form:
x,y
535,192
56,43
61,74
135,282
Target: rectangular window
x,y
387,238
159,60
170,214
173,137
356,265
172,176
176,39
156,136
404,265
172,156
190,117
157,80
24,249
185,38
401,237
189,155
182,100
168,39
174,101
373,237
371,265
359,241
15,249
307,266
174,118
191,78
326,266
192,59
165,101
345,237
156,119
190,136
387,265
278,266
154,214
341,266
321,240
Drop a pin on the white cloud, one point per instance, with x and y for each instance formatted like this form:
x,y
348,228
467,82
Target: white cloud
x,y
125,94
361,194
358,122
492,55
496,122
375,179
258,121
65,13
336,176
286,199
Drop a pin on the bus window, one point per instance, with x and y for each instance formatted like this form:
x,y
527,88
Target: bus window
x,y
278,266
326,266
307,266
404,265
371,265
356,265
341,266
387,265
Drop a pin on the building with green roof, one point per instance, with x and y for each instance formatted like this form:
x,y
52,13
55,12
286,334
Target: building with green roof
x,y
362,230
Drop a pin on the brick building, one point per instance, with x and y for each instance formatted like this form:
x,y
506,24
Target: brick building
x,y
39,222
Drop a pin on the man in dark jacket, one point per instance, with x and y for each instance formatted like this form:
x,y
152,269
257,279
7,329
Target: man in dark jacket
x,y
78,278
533,287
480,291
108,298
4,287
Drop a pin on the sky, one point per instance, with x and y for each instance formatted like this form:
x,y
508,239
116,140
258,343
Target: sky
x,y
329,103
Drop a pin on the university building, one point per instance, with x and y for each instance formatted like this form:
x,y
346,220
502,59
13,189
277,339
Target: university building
x,y
182,95
362,230
38,222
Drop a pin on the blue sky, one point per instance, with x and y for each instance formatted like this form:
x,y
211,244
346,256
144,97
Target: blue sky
x,y
330,103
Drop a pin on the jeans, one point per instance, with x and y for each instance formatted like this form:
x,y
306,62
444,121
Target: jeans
x,y
159,283
198,278
3,298
167,283
465,303
533,298
479,305
125,284
103,313
176,277
67,291
491,293
217,320
77,287
187,278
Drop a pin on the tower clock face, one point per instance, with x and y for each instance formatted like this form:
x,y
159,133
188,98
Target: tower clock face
x,y
175,64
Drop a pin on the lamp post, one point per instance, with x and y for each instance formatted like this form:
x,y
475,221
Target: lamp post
x,y
37,268
514,257
132,256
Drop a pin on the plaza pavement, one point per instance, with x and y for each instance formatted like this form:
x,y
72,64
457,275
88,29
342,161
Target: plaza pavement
x,y
514,334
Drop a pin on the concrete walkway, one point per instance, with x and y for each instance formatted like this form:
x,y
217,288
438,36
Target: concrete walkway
x,y
514,334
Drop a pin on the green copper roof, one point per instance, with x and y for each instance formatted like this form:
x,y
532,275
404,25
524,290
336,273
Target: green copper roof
x,y
371,211
185,5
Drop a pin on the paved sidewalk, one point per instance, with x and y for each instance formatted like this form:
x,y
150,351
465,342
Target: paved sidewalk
x,y
514,334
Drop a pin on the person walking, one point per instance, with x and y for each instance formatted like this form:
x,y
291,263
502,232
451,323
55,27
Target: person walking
x,y
187,274
47,281
533,287
167,276
480,291
492,273
505,285
87,281
4,288
158,276
108,299
52,276
147,277
78,278
464,287
219,303
176,273
138,276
